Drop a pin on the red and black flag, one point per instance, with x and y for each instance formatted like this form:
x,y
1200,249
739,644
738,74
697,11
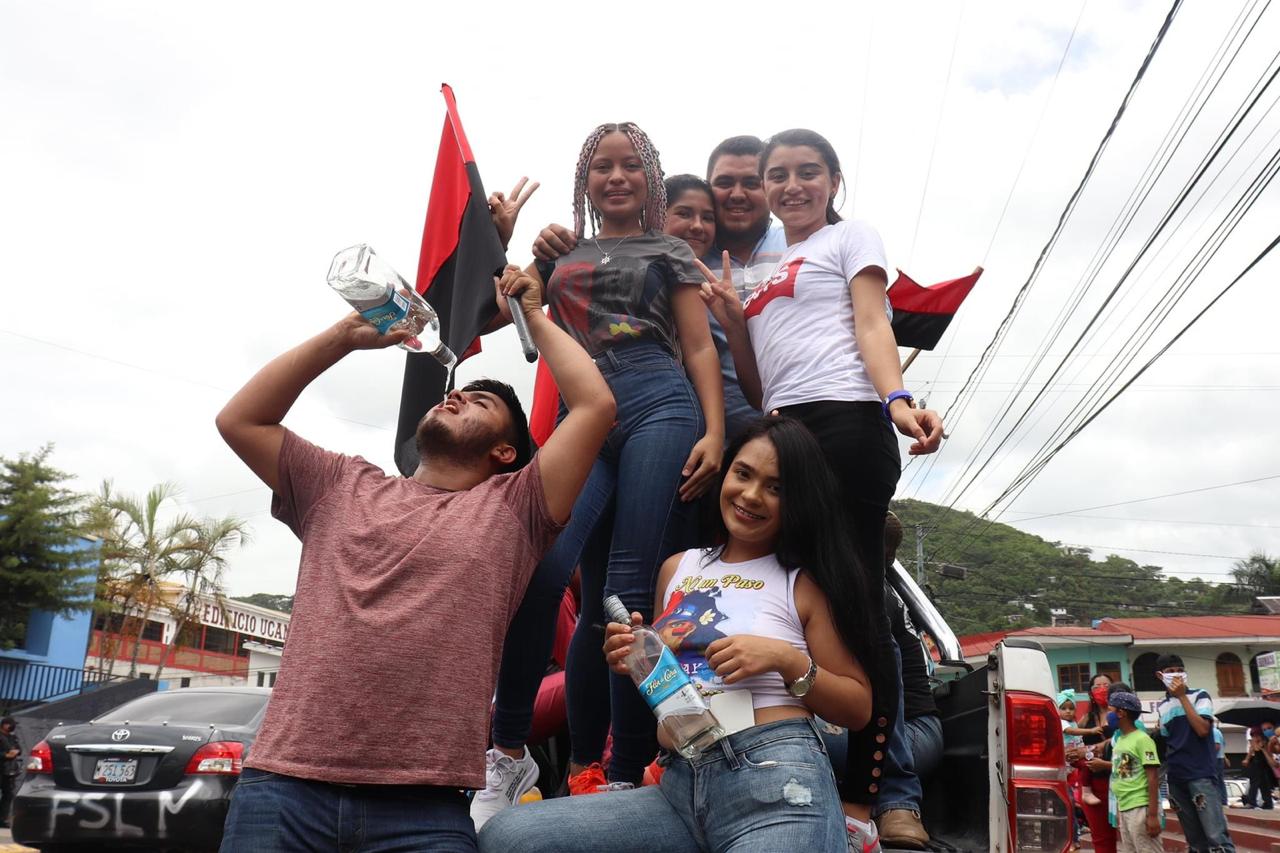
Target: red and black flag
x,y
460,254
921,314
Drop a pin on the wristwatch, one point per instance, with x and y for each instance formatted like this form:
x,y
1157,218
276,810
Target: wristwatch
x,y
802,685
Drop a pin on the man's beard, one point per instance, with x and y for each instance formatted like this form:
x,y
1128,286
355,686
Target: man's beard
x,y
752,232
436,442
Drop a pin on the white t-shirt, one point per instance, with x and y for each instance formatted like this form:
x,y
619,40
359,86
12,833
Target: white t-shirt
x,y
801,319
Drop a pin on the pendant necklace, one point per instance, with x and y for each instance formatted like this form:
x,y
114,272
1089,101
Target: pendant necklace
x,y
607,256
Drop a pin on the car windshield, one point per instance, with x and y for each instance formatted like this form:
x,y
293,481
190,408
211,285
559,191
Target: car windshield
x,y
225,709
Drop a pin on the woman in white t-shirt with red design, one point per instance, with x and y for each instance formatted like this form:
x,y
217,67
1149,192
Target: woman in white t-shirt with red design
x,y
814,342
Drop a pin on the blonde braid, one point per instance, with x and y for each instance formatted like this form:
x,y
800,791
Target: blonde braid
x,y
655,210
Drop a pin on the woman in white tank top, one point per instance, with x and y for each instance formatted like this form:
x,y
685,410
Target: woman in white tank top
x,y
769,623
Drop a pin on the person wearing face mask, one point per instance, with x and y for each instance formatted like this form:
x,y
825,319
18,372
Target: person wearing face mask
x,y
1259,768
1096,769
1186,721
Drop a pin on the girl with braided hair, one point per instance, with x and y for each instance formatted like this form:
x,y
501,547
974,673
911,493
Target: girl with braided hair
x,y
629,294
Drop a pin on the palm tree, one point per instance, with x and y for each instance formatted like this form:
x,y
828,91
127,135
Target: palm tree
x,y
138,551
202,570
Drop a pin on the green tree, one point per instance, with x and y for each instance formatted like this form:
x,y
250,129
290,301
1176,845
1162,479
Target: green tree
x,y
269,600
1259,574
202,573
139,550
42,563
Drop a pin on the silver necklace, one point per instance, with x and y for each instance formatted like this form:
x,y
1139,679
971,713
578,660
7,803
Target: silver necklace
x,y
607,256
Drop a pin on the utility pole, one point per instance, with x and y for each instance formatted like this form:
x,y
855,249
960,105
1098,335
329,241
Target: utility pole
x,y
920,554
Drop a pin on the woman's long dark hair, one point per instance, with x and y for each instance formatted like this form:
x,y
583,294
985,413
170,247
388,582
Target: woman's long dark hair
x,y
797,137
1097,716
814,534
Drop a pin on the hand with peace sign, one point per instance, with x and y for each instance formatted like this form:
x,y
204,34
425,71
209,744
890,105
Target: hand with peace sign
x,y
505,209
720,297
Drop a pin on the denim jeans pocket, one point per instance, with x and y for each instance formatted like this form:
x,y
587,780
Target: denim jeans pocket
x,y
793,752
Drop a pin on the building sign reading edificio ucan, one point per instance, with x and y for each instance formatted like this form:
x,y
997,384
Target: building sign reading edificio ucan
x,y
247,622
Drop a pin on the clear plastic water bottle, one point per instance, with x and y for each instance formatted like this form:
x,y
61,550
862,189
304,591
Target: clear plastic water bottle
x,y
681,710
387,301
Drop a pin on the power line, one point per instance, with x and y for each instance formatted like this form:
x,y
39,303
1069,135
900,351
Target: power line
x,y
1178,521
937,130
1156,497
173,376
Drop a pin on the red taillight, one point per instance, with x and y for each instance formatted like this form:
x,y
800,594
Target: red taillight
x,y
1039,807
41,760
1034,730
221,756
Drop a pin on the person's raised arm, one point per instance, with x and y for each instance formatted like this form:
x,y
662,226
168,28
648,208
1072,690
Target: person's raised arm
x,y
250,421
1201,725
720,297
566,459
879,351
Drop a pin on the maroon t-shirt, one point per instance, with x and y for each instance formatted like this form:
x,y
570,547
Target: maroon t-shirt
x,y
404,596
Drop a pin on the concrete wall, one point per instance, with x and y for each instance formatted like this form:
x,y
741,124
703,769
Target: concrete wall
x,y
1090,653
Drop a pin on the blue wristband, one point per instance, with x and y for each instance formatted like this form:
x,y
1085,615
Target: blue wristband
x,y
897,395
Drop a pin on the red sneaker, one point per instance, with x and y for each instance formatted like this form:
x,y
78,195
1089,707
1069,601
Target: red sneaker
x,y
589,781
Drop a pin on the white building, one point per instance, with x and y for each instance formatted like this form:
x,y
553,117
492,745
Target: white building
x,y
225,643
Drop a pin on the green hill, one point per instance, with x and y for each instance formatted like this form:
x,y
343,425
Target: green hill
x,y
1016,579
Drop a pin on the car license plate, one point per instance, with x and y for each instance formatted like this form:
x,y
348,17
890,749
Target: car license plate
x,y
116,771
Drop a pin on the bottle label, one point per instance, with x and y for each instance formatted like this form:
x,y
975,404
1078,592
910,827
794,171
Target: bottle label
x,y
386,315
667,677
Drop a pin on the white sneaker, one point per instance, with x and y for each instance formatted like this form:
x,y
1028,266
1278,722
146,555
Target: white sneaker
x,y
506,781
862,837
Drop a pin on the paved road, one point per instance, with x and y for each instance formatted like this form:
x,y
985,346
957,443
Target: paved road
x,y
7,845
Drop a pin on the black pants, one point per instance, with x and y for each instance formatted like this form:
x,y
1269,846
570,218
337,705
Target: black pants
x,y
1261,780
862,450
8,786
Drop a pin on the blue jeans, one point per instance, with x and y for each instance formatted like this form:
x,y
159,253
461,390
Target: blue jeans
x,y
271,813
767,789
1200,813
915,749
626,521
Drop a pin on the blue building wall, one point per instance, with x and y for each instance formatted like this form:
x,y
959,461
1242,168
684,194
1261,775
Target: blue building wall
x,y
52,640
1092,655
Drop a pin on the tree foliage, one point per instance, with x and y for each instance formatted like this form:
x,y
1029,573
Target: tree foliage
x,y
143,547
1017,580
43,562
269,600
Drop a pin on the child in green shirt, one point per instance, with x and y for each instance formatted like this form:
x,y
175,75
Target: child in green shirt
x,y
1135,780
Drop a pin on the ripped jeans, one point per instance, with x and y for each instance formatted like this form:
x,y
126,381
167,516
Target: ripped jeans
x,y
766,789
1199,807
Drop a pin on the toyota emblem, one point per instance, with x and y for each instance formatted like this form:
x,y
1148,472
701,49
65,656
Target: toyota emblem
x,y
119,735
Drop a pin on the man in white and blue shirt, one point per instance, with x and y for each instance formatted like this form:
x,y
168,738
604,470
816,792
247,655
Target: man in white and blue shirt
x,y
745,230
1191,761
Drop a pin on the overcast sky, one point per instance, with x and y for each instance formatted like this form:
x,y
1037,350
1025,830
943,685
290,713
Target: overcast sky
x,y
175,178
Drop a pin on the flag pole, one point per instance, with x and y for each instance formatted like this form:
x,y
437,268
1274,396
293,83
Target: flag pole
x,y
910,358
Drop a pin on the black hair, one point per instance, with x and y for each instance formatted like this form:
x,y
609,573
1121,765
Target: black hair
x,y
1095,716
813,534
734,146
518,436
678,185
809,139
1166,661
1118,687
9,721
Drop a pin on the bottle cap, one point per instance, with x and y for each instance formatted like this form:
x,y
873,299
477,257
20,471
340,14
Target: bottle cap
x,y
616,610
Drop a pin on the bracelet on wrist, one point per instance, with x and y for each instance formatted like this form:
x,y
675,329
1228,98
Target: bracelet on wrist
x,y
901,394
